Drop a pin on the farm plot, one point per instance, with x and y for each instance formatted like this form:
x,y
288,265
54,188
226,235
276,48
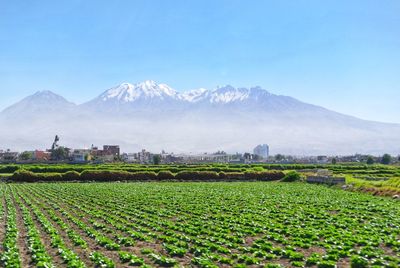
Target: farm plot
x,y
247,224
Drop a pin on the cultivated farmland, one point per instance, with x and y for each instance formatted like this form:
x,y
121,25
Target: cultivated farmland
x,y
153,224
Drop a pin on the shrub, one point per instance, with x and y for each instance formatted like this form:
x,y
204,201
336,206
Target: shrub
x,y
142,176
263,176
117,175
9,169
197,175
291,176
23,176
27,176
103,175
71,176
165,176
228,176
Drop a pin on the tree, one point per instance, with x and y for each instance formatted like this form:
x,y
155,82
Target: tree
x,y
156,159
60,153
279,157
334,161
247,156
386,159
370,160
26,156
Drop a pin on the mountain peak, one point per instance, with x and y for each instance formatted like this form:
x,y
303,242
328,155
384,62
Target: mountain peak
x,y
41,101
148,89
45,93
147,84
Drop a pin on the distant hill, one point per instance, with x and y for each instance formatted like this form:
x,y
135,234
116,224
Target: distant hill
x,y
155,116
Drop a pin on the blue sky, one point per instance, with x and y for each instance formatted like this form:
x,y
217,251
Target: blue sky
x,y
343,55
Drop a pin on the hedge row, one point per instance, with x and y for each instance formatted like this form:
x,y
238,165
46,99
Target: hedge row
x,y
104,175
228,168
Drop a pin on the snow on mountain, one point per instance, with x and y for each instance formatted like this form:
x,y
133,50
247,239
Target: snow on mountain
x,y
148,89
149,92
194,95
224,94
127,98
228,94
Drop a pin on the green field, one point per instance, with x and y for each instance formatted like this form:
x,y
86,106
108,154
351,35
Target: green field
x,y
154,224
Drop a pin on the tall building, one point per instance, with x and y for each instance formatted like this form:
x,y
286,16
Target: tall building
x,y
262,150
111,150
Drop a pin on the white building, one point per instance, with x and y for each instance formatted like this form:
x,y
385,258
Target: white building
x,y
81,155
261,150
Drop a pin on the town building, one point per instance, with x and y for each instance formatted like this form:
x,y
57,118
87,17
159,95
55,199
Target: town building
x,y
262,150
41,156
81,155
8,156
111,150
109,153
129,157
144,157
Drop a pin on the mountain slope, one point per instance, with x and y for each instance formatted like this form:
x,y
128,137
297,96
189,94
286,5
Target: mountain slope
x,y
42,102
155,116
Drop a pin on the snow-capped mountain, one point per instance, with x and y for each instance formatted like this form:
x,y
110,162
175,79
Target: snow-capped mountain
x,y
151,97
155,116
146,90
128,97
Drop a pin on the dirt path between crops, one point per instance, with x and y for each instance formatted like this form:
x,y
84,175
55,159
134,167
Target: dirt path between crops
x,y
136,249
44,237
24,253
3,223
91,243
156,245
83,254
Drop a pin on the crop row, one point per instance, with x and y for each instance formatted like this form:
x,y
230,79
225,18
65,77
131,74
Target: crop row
x,y
10,257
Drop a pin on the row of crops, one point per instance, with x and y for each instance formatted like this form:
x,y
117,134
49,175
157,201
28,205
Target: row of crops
x,y
238,224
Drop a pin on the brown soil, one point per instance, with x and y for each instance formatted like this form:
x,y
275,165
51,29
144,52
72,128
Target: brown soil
x,y
25,256
136,249
3,223
82,253
92,244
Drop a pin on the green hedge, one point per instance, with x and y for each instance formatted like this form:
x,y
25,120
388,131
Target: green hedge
x,y
118,175
28,176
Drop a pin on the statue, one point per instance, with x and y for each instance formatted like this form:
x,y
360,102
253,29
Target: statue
x,y
55,143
